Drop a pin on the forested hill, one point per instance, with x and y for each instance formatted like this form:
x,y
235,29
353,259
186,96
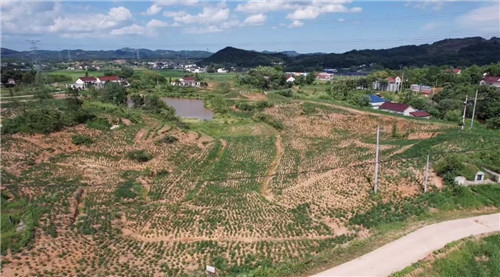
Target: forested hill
x,y
456,52
81,55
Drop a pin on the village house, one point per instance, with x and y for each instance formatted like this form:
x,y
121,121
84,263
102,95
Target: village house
x,y
103,80
493,81
323,76
10,83
290,79
84,82
221,70
397,108
392,84
186,82
376,101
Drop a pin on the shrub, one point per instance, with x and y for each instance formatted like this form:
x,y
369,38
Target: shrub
x,y
139,156
270,120
99,124
82,139
493,123
169,139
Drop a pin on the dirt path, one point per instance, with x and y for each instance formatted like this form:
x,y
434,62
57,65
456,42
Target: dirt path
x,y
139,135
266,192
415,246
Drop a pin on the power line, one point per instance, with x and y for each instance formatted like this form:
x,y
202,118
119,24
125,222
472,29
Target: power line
x,y
34,56
302,172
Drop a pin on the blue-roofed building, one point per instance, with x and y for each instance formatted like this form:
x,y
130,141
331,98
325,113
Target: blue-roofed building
x,y
376,101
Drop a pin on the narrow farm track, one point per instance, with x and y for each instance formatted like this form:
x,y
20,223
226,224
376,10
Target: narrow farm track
x,y
272,170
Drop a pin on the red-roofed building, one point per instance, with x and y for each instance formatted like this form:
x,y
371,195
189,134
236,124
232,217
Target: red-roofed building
x,y
493,81
421,114
103,80
397,108
323,76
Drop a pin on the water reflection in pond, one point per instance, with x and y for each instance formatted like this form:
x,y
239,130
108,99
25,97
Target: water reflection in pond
x,y
189,108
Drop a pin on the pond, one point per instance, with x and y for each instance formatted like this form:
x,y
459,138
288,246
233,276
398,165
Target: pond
x,y
189,108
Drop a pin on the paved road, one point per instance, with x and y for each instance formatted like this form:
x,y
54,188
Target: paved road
x,y
415,246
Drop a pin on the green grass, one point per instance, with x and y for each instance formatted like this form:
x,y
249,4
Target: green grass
x,y
473,258
75,74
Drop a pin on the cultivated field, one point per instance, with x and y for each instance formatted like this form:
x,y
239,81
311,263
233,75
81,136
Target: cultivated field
x,y
235,193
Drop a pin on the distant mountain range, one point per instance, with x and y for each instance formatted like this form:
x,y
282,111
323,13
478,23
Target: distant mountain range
x,y
455,52
85,55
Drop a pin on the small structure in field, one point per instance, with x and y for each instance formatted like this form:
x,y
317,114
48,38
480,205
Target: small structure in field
x,y
481,178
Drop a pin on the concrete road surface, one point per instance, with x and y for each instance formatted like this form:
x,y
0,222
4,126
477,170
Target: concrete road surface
x,y
415,246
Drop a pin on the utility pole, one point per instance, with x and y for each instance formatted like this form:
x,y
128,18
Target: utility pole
x,y
465,109
376,159
69,56
473,111
426,179
137,53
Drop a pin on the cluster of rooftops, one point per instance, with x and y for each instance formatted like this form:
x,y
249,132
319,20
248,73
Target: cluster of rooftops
x,y
377,102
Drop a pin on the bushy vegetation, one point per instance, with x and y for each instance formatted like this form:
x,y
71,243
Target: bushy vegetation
x,y
153,104
139,156
250,106
468,257
46,117
264,77
169,139
99,123
19,220
452,197
278,125
82,140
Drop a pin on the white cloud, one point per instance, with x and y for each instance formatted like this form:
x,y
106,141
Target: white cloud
x,y
133,29
356,10
485,20
154,9
177,2
256,19
310,12
430,4
317,8
116,18
154,23
203,30
296,24
209,15
264,6
120,13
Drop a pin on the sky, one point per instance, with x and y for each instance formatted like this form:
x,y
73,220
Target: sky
x,y
331,26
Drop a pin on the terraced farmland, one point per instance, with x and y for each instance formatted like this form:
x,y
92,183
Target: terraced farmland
x,y
234,193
